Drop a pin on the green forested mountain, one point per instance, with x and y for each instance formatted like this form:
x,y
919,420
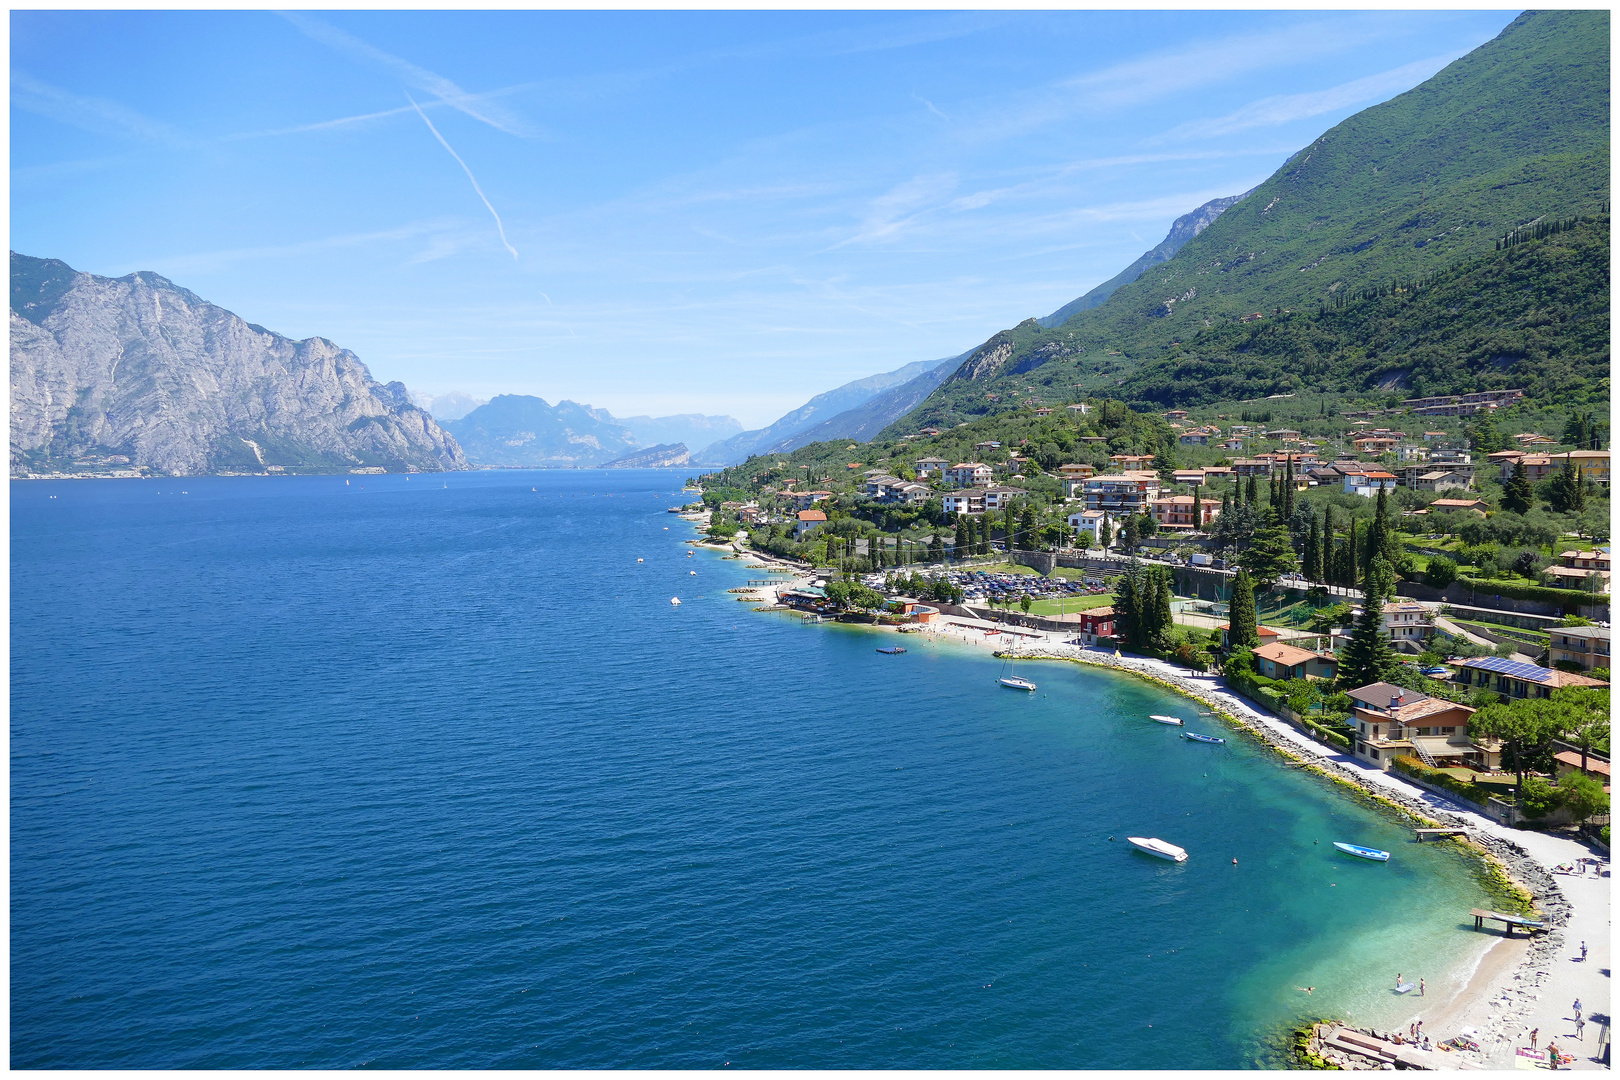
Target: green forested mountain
x,y
1423,185
1534,315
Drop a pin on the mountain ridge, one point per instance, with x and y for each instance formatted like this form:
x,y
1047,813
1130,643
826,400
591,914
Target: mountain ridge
x,y
1513,132
142,369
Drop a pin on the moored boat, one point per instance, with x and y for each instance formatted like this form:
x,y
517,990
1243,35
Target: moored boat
x,y
1152,845
1362,852
1176,720
1012,682
892,650
1196,737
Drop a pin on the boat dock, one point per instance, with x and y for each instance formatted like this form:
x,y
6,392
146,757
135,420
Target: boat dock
x,y
1426,834
1508,921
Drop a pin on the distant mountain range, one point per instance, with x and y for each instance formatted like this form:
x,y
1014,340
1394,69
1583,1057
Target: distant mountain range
x,y
450,406
520,431
140,371
837,414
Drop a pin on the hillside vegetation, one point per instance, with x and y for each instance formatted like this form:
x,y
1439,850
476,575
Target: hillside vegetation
x,y
1533,316
1513,133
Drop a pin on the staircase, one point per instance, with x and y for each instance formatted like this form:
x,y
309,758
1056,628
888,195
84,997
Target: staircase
x,y
1423,752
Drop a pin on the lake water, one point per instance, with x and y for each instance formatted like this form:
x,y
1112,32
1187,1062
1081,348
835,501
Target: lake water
x,y
428,772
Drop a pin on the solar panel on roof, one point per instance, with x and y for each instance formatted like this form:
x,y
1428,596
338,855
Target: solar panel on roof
x,y
1514,668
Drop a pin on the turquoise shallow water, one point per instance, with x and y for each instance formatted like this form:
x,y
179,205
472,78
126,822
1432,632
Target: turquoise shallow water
x,y
430,773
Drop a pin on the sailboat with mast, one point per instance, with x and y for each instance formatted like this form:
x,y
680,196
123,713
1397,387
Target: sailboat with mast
x,y
1013,682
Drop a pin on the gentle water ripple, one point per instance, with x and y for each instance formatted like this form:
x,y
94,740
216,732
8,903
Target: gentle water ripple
x,y
307,773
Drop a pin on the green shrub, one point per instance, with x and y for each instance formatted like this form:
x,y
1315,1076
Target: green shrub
x,y
1515,591
1537,798
1411,766
1441,572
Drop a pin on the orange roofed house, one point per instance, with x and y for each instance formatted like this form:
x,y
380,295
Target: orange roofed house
x,y
1279,661
808,520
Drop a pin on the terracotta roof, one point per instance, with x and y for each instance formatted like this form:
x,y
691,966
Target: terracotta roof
x,y
1097,612
1265,631
1287,655
812,515
1573,757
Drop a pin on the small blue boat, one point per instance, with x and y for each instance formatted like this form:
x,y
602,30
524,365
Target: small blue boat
x,y
1195,737
1363,852
892,650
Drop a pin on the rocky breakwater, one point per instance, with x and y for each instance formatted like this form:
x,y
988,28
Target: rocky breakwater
x,y
140,368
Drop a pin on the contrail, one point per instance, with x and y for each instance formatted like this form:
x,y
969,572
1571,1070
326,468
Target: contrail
x,y
498,226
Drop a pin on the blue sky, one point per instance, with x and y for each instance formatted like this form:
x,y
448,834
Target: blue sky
x,y
664,212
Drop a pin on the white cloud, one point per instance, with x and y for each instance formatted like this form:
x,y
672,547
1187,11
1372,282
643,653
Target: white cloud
x,y
477,106
99,115
1286,108
898,207
213,260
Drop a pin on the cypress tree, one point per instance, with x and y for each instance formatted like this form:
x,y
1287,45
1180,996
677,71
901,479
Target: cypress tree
x,y
1163,619
1517,495
1568,495
1351,573
1125,605
963,543
1105,533
1374,543
1252,495
1197,513
1313,553
1243,629
1288,490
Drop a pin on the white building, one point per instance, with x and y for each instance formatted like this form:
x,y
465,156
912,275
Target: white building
x,y
970,474
1087,526
1367,484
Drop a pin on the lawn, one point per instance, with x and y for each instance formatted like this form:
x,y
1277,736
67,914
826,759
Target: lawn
x,y
1068,605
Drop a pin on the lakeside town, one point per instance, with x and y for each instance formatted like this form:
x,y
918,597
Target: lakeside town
x,y
1424,611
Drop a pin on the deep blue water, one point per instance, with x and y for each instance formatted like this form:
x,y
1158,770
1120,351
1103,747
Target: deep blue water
x,y
430,773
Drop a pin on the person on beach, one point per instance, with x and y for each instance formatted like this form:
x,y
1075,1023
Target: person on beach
x,y
1535,1033
1398,980
1423,988
1577,1008
1583,952
1580,1028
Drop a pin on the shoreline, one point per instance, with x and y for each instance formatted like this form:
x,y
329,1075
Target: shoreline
x,y
1500,999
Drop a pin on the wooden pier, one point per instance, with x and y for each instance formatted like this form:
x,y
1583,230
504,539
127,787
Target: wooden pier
x,y
1425,834
1508,921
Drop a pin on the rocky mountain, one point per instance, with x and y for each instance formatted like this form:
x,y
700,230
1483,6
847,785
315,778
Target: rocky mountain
x,y
141,369
519,431
1182,230
654,457
816,411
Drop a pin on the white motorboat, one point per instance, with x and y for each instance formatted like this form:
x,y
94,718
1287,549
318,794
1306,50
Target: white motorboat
x,y
1360,852
675,600
1154,846
1175,720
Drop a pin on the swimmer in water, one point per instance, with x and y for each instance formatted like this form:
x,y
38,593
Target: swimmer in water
x,y
1307,989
